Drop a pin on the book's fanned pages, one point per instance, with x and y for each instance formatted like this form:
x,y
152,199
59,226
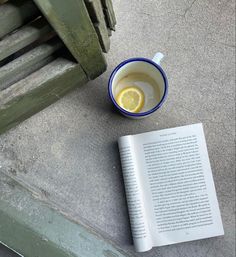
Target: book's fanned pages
x,y
169,187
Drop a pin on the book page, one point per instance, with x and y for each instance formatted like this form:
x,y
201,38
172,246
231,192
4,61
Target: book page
x,y
177,185
134,194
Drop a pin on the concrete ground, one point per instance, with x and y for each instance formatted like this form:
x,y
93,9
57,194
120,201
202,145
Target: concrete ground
x,y
69,151
5,252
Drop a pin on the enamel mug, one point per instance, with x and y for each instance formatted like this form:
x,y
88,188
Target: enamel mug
x,y
152,69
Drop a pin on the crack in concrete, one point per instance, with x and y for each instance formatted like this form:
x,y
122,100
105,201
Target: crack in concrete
x,y
188,8
225,44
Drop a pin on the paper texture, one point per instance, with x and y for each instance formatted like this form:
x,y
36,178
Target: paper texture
x,y
169,186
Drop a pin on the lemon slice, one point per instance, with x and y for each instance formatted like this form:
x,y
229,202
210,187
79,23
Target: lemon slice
x,y
131,99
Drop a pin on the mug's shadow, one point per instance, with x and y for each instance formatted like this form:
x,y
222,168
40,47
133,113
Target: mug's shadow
x,y
101,101
97,99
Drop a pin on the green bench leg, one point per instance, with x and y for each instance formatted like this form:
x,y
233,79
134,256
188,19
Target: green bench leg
x,y
72,23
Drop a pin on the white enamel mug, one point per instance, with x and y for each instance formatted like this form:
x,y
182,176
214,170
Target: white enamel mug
x,y
149,67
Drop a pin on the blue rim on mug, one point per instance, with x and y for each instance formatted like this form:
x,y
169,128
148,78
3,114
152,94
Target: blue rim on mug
x,y
141,113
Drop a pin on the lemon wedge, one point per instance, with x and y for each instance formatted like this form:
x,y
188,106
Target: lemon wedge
x,y
131,99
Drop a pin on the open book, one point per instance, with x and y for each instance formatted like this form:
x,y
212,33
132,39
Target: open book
x,y
169,187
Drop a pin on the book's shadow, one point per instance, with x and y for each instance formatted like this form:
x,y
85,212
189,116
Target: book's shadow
x,y
126,236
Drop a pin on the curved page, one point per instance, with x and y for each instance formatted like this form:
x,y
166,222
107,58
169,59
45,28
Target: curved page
x,y
134,194
170,187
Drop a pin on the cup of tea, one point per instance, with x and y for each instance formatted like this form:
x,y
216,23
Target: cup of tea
x,y
138,86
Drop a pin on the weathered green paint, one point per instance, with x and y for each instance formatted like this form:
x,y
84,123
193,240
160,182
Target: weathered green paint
x,y
109,14
34,93
72,23
97,16
28,62
15,13
32,228
23,236
24,37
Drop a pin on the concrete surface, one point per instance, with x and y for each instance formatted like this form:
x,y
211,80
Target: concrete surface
x,y
5,252
69,151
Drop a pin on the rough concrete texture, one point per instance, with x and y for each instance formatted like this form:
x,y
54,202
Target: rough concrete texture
x,y
69,150
5,252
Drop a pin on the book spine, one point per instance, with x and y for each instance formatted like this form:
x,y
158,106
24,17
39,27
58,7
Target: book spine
x,y
133,187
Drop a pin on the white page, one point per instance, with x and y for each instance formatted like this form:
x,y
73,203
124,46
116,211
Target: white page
x,y
176,185
134,195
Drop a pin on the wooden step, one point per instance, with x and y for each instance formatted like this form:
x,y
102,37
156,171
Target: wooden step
x,y
15,13
24,36
28,62
38,90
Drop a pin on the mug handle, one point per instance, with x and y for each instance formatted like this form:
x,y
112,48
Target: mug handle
x,y
157,58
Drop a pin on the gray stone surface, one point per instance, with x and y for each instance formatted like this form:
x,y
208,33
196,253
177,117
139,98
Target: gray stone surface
x,y
5,252
68,152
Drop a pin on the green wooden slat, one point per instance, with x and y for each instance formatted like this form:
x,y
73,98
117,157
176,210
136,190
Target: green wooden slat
x,y
38,90
109,13
28,62
24,37
32,228
15,13
71,21
97,16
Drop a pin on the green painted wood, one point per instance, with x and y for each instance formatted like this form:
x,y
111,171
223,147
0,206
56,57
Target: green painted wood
x,y
109,14
28,62
24,37
9,78
15,13
72,23
38,90
97,16
31,227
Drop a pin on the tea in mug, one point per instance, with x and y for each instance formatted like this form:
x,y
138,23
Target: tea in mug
x,y
137,92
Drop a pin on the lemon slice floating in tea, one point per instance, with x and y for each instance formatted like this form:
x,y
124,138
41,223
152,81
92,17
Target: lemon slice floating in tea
x,y
131,99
